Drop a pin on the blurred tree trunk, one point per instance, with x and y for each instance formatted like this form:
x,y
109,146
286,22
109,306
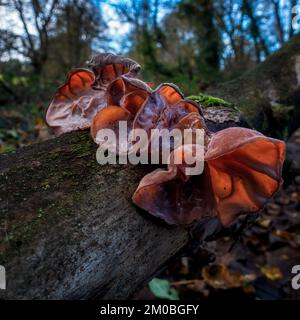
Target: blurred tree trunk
x,y
259,41
200,15
291,29
77,24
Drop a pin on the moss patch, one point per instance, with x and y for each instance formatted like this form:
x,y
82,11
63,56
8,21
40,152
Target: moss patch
x,y
83,146
209,101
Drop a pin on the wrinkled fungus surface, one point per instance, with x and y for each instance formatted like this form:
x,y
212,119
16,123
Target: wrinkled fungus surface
x,y
76,103
242,167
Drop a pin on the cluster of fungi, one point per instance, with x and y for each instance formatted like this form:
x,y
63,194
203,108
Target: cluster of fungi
x,y
242,167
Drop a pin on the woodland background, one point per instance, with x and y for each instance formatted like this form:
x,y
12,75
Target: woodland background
x,y
195,44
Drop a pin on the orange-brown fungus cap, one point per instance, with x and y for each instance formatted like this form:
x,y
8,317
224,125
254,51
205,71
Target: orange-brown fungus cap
x,y
242,171
164,108
76,103
125,96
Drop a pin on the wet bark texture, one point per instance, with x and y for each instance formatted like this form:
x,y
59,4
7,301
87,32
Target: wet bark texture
x,y
69,228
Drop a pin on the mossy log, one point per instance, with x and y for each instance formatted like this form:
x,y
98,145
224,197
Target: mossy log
x,y
269,94
69,228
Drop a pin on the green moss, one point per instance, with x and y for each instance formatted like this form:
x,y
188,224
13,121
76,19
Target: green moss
x,y
21,234
83,146
63,178
209,101
40,213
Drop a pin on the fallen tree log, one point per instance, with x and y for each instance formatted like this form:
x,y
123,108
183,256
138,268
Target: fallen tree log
x,y
69,228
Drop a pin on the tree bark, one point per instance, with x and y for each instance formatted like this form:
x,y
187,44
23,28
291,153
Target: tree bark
x,y
69,228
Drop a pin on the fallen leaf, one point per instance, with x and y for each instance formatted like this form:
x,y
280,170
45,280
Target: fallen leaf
x,y
272,273
162,289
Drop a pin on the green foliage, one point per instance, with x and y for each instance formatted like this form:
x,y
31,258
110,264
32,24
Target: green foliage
x,y
209,101
162,289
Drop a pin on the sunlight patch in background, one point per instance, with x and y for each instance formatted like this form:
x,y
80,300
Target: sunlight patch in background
x,y
117,32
